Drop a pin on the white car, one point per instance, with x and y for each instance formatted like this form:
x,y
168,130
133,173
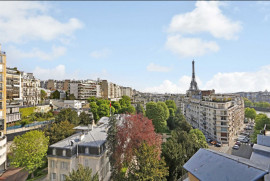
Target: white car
x,y
236,147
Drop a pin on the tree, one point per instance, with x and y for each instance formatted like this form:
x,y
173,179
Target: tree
x,y
171,104
124,139
159,114
59,131
180,148
116,106
140,109
67,115
55,95
71,97
94,109
29,151
43,95
260,121
250,113
92,99
103,110
125,101
147,165
82,174
84,119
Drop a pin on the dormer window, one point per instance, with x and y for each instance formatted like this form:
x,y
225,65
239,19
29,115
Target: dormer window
x,y
54,151
64,152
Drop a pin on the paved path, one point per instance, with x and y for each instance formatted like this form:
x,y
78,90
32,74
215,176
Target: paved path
x,y
24,129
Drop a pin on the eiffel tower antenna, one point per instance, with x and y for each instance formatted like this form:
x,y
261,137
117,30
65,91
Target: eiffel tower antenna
x,y
193,83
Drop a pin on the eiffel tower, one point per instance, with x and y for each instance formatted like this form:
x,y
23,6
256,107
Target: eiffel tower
x,y
193,83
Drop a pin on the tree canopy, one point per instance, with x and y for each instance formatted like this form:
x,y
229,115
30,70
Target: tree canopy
x,y
171,104
124,139
250,113
68,115
59,131
82,174
55,95
85,119
147,164
29,150
140,109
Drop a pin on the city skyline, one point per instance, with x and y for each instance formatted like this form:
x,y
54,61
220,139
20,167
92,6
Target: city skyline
x,y
148,46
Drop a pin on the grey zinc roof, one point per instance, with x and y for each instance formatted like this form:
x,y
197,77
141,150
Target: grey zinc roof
x,y
95,137
210,165
263,140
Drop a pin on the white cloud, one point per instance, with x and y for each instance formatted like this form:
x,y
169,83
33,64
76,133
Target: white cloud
x,y
56,52
157,68
169,87
206,17
241,81
221,82
58,73
103,53
24,21
188,47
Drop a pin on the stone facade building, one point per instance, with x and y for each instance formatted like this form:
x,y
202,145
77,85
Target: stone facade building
x,y
14,87
31,89
218,116
87,147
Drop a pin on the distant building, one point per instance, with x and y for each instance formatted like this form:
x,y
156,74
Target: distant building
x,y
3,138
218,116
127,91
31,89
14,86
76,104
85,89
88,147
13,114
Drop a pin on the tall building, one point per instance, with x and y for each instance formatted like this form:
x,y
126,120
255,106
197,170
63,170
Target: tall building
x,y
14,87
31,89
218,116
3,139
87,147
127,91
84,89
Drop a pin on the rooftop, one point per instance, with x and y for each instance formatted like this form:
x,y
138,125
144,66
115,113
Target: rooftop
x,y
211,165
95,137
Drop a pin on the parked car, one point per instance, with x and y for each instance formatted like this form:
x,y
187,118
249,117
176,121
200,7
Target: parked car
x,y
236,147
238,143
218,144
209,140
213,142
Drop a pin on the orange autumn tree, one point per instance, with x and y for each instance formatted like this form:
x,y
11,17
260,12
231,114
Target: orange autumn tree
x,y
125,136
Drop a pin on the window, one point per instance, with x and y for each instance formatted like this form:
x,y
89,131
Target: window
x,y
62,177
52,163
53,176
64,165
1,60
86,150
64,152
224,129
54,151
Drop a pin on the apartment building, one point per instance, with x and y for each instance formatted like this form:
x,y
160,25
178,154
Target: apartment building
x,y
127,91
13,114
14,87
31,89
218,116
3,139
85,89
87,147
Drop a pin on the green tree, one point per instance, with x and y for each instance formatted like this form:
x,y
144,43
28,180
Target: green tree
x,y
171,104
103,110
29,151
125,101
158,113
43,95
59,131
248,103
140,109
55,95
102,101
116,106
147,166
198,139
92,99
84,119
71,97
94,109
260,121
82,174
68,115
250,113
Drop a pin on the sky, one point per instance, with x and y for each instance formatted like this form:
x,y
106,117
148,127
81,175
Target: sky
x,y
148,46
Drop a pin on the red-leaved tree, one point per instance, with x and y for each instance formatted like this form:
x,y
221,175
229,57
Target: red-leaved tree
x,y
131,133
